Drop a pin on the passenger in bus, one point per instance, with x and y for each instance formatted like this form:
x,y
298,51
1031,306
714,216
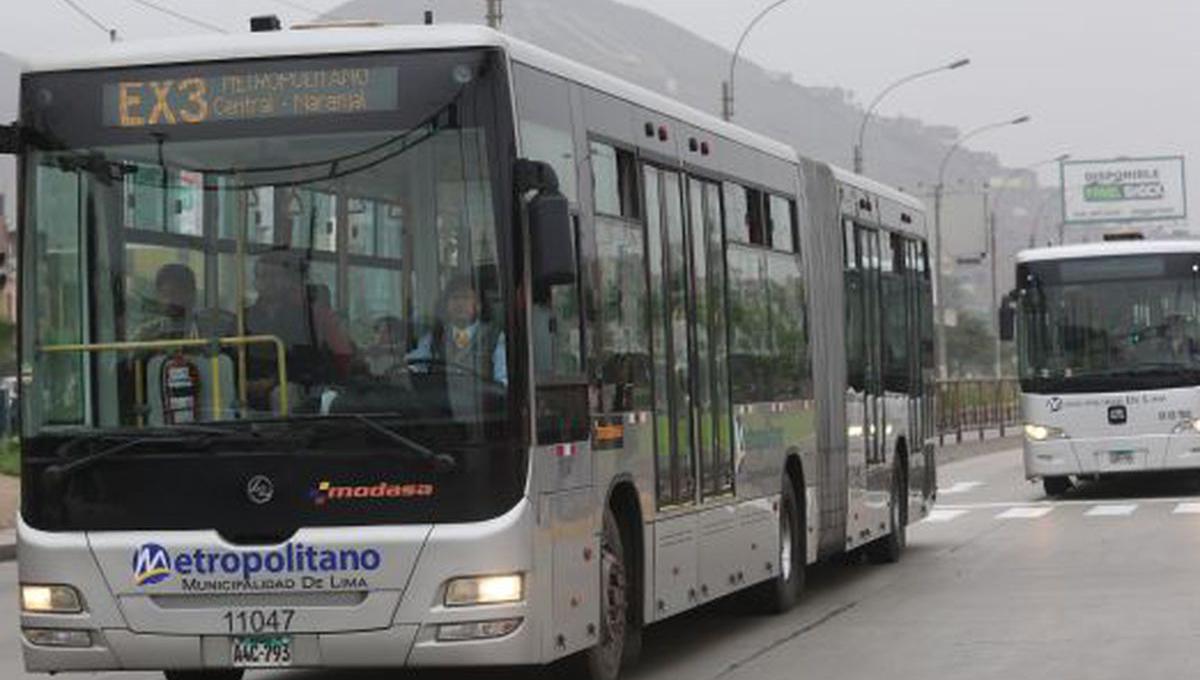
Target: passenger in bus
x,y
461,337
319,351
386,353
175,309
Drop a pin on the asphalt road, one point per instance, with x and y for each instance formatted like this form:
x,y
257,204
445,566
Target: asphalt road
x,y
999,583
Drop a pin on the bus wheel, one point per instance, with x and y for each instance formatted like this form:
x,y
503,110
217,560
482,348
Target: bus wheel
x,y
888,549
1056,486
620,632
228,674
780,594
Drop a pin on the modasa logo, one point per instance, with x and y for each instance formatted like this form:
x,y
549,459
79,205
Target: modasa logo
x,y
151,564
327,492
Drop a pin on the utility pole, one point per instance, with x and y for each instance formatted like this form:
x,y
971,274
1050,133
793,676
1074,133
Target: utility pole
x,y
495,13
994,310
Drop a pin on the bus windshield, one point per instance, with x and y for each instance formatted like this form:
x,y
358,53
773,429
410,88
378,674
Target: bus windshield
x,y
263,241
300,265
1110,323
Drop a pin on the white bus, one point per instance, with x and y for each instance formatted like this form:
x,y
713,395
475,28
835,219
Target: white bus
x,y
1109,352
420,346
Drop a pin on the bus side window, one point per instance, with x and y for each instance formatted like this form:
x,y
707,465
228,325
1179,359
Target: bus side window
x,y
555,320
622,371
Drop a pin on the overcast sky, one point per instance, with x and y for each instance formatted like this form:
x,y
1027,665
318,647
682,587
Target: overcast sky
x,y
1101,78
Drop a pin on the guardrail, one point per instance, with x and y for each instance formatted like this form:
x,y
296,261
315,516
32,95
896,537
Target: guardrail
x,y
976,405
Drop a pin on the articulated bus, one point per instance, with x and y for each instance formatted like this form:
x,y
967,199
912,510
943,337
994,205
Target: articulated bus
x,y
420,346
1108,338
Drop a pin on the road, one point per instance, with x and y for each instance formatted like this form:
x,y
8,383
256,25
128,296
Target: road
x,y
999,583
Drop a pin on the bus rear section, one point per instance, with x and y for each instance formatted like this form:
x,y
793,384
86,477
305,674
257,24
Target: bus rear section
x,y
1109,359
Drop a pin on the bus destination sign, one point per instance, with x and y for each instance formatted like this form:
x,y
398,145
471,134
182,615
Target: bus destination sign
x,y
194,100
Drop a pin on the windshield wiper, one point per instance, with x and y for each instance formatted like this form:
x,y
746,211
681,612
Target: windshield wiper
x,y
187,435
411,450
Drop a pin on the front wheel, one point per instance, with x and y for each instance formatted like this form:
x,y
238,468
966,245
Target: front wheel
x,y
620,628
1056,486
780,594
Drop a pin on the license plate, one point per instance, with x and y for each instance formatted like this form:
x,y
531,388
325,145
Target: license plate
x,y
262,652
1120,457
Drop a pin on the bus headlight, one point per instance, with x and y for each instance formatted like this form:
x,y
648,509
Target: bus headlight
x,y
1040,433
1188,427
50,599
462,592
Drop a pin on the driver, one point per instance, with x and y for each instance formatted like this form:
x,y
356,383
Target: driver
x,y
460,337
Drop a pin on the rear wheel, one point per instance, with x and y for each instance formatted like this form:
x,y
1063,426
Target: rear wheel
x,y
1056,486
620,629
780,594
889,548
227,674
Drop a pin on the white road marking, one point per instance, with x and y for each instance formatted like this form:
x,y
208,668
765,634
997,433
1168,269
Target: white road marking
x,y
1186,509
959,487
1112,510
1026,512
938,515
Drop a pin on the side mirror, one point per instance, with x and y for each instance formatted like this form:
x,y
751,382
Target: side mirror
x,y
550,234
10,139
1008,317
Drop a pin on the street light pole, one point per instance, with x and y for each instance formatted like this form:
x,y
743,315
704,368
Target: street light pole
x,y
495,13
938,191
727,85
862,128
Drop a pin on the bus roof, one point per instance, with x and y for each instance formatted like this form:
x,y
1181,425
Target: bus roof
x,y
878,188
358,39
1110,248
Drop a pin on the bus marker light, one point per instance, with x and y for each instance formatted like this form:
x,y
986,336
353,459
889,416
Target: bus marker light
x,y
52,599
52,637
484,590
478,630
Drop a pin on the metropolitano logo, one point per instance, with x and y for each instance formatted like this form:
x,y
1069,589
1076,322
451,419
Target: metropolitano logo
x,y
151,564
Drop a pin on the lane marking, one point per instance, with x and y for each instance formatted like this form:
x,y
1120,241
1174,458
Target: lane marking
x,y
939,515
1053,504
1186,509
1026,512
959,487
1112,510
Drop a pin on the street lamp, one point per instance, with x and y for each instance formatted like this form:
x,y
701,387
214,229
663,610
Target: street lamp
x,y
727,86
862,129
938,189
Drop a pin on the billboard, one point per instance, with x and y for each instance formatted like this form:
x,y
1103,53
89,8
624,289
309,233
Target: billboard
x,y
1124,190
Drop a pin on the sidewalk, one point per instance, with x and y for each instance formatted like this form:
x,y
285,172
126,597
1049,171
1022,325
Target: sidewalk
x,y
972,446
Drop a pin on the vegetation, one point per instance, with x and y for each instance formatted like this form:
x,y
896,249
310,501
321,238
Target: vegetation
x,y
10,457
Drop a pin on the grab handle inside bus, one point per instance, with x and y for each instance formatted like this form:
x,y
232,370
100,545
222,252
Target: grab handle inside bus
x,y
551,244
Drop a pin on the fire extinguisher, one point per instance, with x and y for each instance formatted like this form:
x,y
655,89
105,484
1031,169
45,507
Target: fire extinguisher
x,y
180,383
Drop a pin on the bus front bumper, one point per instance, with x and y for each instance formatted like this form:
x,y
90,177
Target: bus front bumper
x,y
411,634
1111,455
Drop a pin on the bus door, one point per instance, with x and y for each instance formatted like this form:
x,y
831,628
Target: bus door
x,y
670,271
870,369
